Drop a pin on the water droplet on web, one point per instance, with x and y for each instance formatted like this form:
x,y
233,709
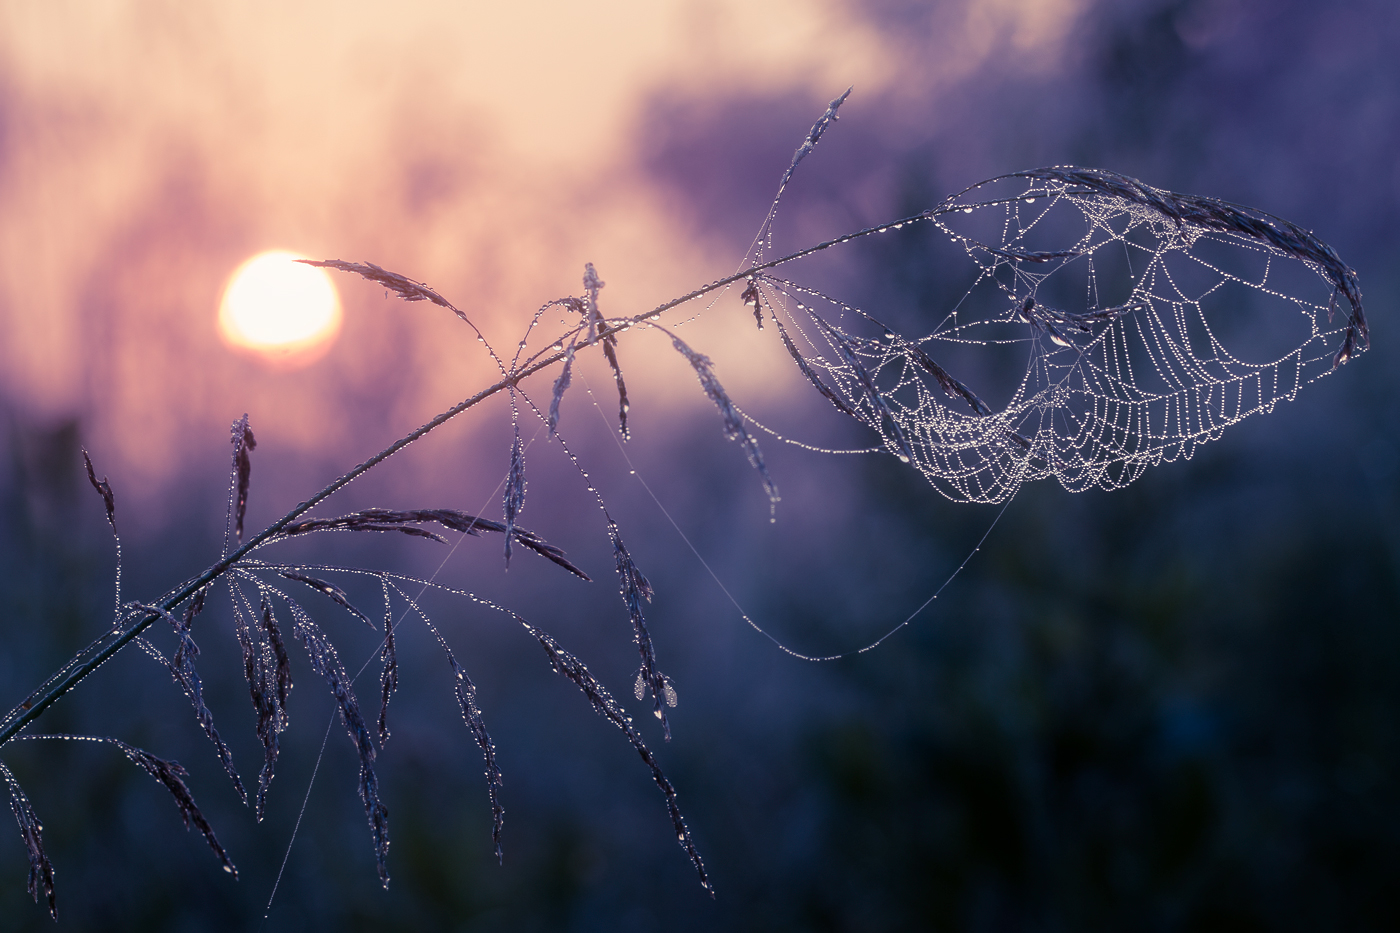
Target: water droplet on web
x,y
1030,200
903,458
967,210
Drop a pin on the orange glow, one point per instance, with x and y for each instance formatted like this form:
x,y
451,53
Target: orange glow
x,y
284,311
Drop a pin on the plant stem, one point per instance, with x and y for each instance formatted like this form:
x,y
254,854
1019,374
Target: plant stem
x,y
89,659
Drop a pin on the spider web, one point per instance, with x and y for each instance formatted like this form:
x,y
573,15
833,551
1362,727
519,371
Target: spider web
x,y
1148,322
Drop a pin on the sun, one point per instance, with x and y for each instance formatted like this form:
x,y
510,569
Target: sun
x,y
284,311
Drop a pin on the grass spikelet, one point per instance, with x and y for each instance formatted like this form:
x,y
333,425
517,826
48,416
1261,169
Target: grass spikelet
x,y
243,445
561,385
592,285
326,662
401,285
572,668
950,386
268,671
466,700
812,377
172,775
32,831
390,520
636,589
514,497
358,522
753,298
471,715
1213,214
389,674
733,423
880,408
623,405
104,489
183,671
339,596
1348,348
814,136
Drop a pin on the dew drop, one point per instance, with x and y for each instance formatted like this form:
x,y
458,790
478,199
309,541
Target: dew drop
x,y
967,210
883,229
903,458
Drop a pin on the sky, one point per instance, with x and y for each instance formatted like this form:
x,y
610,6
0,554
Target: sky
x,y
487,149
149,148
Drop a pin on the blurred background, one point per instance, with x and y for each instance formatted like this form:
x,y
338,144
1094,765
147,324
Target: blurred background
x,y
1168,707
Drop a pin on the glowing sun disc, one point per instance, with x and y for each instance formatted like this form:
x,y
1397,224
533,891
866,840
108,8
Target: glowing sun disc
x,y
281,309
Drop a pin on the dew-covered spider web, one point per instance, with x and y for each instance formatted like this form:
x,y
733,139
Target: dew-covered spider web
x,y
1085,327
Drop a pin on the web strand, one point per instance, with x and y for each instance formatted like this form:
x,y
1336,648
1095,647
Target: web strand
x,y
743,614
